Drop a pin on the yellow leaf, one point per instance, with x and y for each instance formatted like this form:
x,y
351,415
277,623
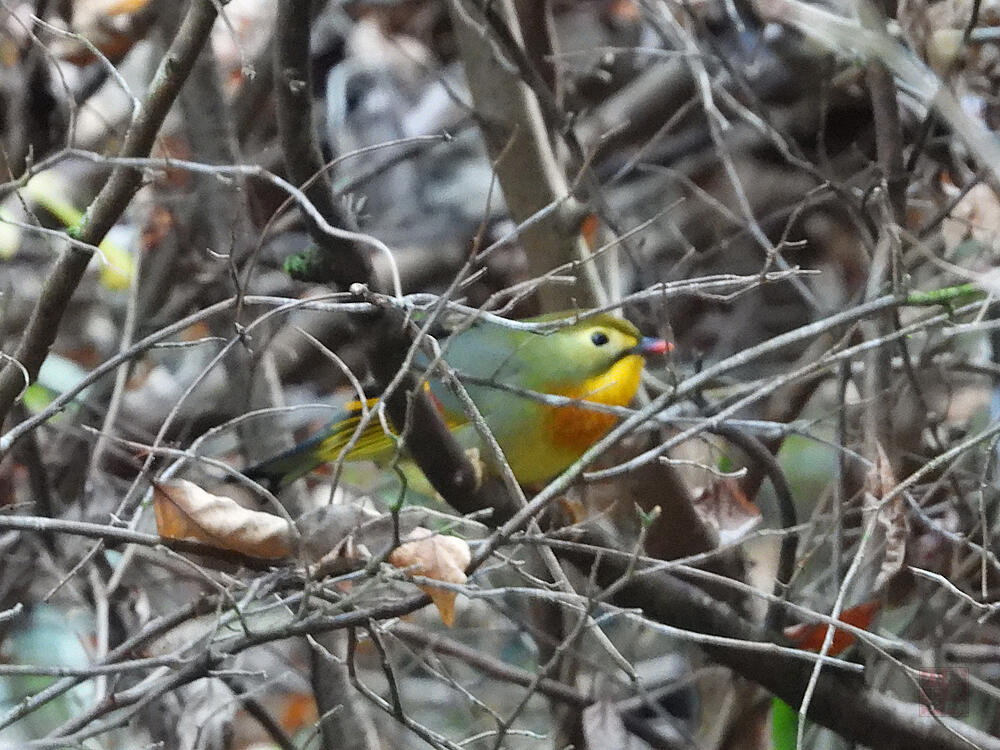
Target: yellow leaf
x,y
49,191
116,273
186,511
120,7
433,555
10,237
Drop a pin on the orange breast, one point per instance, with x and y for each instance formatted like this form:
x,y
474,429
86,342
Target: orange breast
x,y
576,427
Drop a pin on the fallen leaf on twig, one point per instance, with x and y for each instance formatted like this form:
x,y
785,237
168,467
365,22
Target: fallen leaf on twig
x,y
892,522
186,511
437,556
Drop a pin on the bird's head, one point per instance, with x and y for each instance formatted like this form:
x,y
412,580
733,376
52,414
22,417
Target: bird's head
x,y
593,346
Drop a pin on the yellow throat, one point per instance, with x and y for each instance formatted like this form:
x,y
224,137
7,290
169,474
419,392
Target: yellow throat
x,y
578,427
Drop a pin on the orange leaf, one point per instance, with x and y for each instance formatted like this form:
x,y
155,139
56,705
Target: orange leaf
x,y
186,511
298,710
589,229
809,637
433,555
121,7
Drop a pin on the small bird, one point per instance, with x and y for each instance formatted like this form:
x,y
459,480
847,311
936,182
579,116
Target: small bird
x,y
598,360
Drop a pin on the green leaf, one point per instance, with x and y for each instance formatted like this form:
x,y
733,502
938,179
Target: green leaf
x,y
297,266
37,397
784,725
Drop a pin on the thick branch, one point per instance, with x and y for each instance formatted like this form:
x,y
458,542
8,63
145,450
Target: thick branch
x,y
513,129
336,260
888,137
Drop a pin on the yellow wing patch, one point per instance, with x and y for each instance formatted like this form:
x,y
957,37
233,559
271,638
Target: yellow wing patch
x,y
374,443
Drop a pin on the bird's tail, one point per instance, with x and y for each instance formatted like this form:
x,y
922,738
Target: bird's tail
x,y
279,471
326,445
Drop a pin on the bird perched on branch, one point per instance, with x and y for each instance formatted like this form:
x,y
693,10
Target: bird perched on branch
x,y
508,372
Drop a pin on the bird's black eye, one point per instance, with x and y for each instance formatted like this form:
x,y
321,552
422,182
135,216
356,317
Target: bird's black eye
x,y
600,338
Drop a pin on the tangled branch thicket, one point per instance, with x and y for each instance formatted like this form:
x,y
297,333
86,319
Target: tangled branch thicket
x,y
222,221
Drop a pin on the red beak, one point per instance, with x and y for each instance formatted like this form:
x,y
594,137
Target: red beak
x,y
649,345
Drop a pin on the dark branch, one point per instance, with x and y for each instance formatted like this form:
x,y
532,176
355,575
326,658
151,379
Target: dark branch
x,y
333,260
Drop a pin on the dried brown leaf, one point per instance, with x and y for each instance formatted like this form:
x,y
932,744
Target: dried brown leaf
x,y
433,555
104,23
975,216
724,505
891,519
186,511
880,478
